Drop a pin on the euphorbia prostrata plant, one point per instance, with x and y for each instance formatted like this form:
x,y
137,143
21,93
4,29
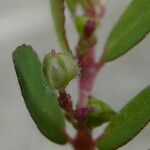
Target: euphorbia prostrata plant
x,y
44,86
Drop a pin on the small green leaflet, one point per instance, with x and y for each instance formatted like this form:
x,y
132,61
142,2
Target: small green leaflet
x,y
57,9
40,101
128,123
131,28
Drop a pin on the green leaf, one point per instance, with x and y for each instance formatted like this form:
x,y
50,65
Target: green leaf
x,y
57,9
40,101
128,123
130,29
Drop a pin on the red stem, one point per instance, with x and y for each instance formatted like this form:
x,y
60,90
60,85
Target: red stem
x,y
84,141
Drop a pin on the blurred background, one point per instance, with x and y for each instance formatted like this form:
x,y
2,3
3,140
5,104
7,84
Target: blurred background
x,y
30,22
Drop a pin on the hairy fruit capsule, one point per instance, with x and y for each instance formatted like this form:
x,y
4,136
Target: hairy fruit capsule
x,y
59,69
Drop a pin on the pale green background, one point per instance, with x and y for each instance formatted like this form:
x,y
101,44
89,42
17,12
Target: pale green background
x,y
29,21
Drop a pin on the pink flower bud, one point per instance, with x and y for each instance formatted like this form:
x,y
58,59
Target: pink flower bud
x,y
82,113
90,27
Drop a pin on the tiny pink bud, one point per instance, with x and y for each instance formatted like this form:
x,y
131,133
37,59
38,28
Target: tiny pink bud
x,y
53,51
82,113
90,27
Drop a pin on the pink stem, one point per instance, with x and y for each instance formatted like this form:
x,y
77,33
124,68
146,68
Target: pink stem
x,y
89,70
102,10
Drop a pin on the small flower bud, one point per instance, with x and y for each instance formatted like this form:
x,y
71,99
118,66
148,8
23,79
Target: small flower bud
x,y
82,113
80,22
102,113
90,26
59,69
86,25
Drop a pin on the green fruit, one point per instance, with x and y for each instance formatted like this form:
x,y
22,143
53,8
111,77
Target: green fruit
x,y
59,69
101,113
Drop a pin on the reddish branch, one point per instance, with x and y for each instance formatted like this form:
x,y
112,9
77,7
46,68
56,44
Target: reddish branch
x,y
83,139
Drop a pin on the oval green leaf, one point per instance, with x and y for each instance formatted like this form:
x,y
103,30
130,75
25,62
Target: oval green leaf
x,y
57,9
131,28
40,101
128,123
